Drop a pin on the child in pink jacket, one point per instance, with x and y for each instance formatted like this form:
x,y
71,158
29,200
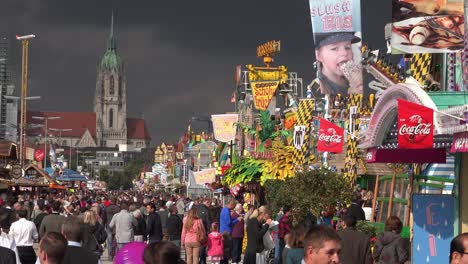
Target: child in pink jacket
x,y
215,245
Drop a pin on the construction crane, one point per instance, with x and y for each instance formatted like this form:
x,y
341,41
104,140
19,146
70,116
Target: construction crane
x,y
24,92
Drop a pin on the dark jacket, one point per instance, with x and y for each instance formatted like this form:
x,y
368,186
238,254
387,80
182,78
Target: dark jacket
x,y
204,215
79,255
255,233
38,219
215,212
238,228
390,248
164,215
140,229
93,237
154,228
356,211
8,256
111,210
174,227
355,247
8,216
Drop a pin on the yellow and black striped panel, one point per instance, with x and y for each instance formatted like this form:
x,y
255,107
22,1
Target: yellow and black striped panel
x,y
420,66
304,117
351,159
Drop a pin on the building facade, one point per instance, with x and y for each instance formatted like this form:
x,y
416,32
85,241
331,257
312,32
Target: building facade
x,y
107,126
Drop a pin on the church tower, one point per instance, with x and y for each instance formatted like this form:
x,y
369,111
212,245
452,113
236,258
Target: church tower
x,y
110,99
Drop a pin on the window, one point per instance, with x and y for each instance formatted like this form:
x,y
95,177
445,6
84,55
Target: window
x,y
120,86
111,118
111,85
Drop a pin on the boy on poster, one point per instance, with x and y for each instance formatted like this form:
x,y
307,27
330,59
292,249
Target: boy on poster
x,y
336,26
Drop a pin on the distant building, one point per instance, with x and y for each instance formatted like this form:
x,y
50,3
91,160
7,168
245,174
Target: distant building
x,y
8,107
108,126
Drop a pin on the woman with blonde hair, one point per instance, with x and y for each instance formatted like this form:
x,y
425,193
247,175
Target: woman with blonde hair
x,y
94,233
193,236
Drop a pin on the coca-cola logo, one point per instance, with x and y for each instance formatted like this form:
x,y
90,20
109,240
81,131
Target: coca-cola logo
x,y
415,129
461,143
330,137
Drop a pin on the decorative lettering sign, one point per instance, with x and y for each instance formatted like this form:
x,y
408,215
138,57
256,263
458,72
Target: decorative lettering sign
x,y
269,48
224,126
331,137
205,176
460,142
415,125
263,92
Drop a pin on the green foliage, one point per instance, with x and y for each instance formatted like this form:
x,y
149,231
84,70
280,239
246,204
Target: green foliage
x,y
367,228
120,180
133,168
246,170
312,190
267,125
104,174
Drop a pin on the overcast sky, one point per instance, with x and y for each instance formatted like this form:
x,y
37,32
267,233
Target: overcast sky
x,y
179,55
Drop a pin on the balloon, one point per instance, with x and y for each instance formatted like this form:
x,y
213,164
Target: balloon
x,y
131,253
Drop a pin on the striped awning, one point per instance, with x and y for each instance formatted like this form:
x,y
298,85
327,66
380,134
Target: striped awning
x,y
440,170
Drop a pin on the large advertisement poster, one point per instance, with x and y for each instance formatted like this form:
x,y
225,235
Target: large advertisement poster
x,y
433,216
224,126
427,26
336,26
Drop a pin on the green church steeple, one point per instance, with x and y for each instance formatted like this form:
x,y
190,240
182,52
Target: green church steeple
x,y
111,62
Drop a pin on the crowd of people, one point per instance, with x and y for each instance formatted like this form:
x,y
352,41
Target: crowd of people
x,y
77,227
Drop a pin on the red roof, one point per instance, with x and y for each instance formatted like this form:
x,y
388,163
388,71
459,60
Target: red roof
x,y
136,128
77,121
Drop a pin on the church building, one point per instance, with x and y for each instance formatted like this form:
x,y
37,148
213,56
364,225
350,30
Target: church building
x,y
107,126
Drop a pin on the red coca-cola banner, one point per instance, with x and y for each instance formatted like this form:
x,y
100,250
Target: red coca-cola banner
x,y
415,126
331,137
460,142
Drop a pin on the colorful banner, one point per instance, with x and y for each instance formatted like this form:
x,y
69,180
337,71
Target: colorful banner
x,y
299,132
205,176
331,137
460,142
415,125
263,92
336,26
433,227
224,126
427,26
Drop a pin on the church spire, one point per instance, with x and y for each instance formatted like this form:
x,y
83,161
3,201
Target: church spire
x,y
112,42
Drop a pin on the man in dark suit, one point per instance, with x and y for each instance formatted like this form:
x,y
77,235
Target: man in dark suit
x,y
7,256
52,248
355,209
72,229
355,245
153,225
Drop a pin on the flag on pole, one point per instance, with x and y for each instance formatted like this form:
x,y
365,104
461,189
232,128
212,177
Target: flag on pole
x,y
415,125
331,137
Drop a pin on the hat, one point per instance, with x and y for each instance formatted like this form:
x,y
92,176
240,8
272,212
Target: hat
x,y
322,39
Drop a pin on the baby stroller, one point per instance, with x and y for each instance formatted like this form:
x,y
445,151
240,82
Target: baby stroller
x,y
270,256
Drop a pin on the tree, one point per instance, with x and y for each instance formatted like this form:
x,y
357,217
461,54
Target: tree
x,y
309,191
104,174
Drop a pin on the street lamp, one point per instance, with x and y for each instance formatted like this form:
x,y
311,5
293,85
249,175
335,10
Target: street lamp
x,y
45,118
60,130
77,156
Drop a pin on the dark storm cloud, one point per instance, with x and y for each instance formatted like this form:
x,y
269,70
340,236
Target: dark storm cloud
x,y
179,55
